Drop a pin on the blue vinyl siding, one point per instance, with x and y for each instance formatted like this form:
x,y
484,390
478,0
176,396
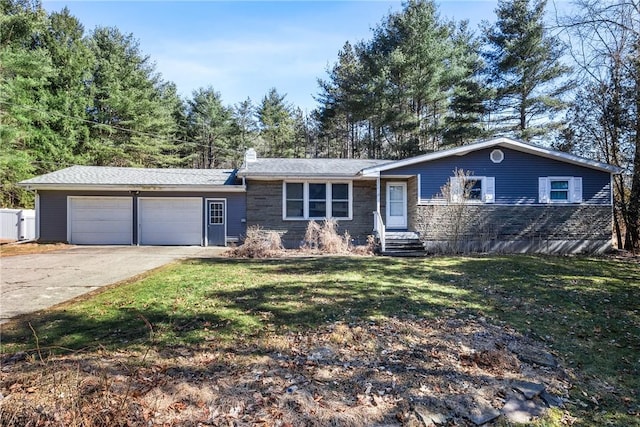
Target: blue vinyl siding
x,y
516,178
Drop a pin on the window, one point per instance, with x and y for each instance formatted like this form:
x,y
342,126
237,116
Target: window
x,y
474,188
497,156
216,213
480,189
317,200
561,189
294,192
340,200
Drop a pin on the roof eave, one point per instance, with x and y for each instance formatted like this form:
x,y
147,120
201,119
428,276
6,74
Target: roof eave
x,y
281,176
502,142
132,187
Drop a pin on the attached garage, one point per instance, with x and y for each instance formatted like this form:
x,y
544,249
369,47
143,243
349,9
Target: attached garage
x,y
138,206
100,220
170,221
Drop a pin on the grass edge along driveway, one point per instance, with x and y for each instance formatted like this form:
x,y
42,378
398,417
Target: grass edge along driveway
x,y
584,309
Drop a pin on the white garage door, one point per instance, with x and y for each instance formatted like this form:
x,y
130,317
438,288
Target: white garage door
x,y
100,220
170,221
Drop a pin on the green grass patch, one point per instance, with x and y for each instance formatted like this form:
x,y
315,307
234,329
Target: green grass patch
x,y
585,309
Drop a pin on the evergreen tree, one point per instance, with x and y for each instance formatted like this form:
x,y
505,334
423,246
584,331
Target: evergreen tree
x,y
69,94
24,72
464,122
133,124
210,127
276,125
525,70
245,130
341,112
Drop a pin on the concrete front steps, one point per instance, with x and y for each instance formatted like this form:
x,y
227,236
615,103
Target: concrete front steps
x,y
403,244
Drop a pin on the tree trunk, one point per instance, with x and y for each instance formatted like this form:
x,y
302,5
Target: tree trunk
x,y
634,198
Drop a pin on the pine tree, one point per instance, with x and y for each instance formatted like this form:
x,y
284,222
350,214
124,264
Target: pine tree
x,y
276,125
464,122
133,123
209,129
525,70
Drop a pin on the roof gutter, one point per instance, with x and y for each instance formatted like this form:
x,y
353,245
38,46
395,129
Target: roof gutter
x,y
119,187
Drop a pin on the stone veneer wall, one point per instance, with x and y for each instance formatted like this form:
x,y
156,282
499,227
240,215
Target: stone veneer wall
x,y
515,229
264,208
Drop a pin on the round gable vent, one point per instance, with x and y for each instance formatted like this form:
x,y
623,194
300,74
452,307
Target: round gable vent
x,y
497,156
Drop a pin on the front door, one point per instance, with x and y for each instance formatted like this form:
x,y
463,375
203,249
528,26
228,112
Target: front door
x,y
216,222
396,205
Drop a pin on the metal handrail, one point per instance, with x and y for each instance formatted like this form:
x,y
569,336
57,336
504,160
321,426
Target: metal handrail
x,y
379,228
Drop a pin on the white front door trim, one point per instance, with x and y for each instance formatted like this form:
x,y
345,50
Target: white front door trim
x,y
396,218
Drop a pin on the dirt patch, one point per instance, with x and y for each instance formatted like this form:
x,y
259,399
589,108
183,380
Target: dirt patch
x,y
13,249
395,372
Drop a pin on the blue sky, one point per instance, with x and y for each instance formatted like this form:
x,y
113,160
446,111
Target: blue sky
x,y
242,48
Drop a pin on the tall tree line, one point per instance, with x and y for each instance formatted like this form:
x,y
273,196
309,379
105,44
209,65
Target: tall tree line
x,y
423,83
68,96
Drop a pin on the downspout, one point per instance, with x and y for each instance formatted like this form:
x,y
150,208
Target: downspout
x,y
37,207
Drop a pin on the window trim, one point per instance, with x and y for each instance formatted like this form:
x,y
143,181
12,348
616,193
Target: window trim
x,y
574,192
328,200
486,196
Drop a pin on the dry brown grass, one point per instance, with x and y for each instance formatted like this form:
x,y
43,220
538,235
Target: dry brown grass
x,y
259,243
325,238
13,249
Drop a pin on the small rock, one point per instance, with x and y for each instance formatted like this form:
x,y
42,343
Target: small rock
x,y
518,410
541,358
528,389
482,411
430,418
551,400
484,416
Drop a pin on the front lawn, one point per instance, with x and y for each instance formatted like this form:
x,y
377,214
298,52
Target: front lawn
x,y
260,316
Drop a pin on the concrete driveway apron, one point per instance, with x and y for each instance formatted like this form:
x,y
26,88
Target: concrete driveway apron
x,y
33,282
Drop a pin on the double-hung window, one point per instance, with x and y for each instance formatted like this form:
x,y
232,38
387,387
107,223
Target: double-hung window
x,y
317,200
560,189
480,189
294,200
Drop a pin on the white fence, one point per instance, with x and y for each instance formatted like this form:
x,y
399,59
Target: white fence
x,y
17,224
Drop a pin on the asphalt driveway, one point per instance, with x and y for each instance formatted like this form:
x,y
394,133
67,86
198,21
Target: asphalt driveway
x,y
33,282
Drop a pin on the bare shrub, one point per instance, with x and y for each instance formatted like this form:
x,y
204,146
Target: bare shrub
x,y
456,198
325,238
259,243
366,249
312,236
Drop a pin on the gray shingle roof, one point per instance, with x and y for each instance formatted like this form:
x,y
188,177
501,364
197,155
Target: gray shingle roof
x,y
102,175
307,167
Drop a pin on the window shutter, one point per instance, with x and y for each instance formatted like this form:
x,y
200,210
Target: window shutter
x,y
543,189
576,189
456,188
489,184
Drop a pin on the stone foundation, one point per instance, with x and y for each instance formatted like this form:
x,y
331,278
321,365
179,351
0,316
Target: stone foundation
x,y
514,229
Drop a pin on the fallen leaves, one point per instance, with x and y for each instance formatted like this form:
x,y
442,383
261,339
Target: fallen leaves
x,y
342,374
